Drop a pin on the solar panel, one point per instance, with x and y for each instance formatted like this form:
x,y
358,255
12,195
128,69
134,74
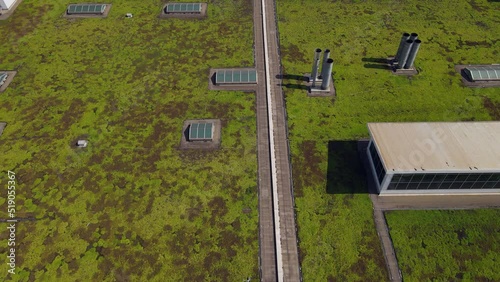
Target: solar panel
x,y
200,131
183,8
484,72
236,76
244,76
219,77
86,9
3,77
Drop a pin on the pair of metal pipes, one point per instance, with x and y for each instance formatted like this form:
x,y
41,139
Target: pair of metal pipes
x,y
326,69
407,51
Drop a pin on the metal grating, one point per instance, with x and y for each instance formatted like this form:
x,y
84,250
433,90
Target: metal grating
x,y
86,9
481,73
200,131
236,76
183,8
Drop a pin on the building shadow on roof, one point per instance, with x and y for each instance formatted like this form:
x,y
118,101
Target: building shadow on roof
x,y
346,173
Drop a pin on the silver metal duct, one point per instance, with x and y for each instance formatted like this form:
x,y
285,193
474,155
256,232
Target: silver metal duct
x,y
326,56
326,73
404,53
412,55
314,72
405,37
413,36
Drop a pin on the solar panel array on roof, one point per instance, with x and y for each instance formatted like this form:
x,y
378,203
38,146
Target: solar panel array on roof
x,y
183,8
201,131
3,77
482,73
86,9
236,76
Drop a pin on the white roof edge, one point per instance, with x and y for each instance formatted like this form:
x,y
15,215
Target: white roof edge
x,y
438,146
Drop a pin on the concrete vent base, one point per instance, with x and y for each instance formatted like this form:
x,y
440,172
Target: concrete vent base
x,y
317,91
392,65
406,72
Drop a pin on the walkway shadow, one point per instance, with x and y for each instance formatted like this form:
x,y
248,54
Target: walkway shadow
x,y
293,77
345,173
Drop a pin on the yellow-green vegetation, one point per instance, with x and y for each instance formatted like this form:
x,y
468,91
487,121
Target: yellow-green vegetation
x,y
447,245
130,206
336,229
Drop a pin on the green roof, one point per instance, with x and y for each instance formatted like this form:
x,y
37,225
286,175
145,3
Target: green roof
x,y
200,131
481,73
86,8
183,8
236,76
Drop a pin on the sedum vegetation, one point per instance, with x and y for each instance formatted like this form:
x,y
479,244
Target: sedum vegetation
x,y
337,237
446,245
131,206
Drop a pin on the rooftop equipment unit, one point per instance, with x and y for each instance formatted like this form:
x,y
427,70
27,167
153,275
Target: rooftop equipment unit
x,y
82,143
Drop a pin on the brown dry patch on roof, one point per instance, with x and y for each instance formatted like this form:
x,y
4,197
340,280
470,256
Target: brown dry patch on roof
x,y
211,259
149,205
194,211
71,115
26,21
292,52
306,170
159,134
218,209
221,274
492,107
230,241
220,110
